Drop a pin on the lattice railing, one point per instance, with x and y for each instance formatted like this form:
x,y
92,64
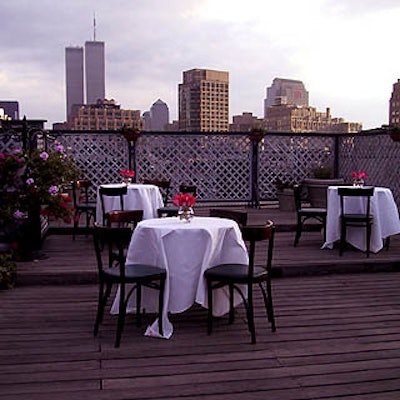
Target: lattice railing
x,y
220,164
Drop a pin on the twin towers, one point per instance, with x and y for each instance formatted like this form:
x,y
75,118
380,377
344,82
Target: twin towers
x,y
84,67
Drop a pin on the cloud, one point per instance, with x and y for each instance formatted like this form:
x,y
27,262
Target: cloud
x,y
339,49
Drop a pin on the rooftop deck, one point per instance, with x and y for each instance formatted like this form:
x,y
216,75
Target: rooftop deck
x,y
337,332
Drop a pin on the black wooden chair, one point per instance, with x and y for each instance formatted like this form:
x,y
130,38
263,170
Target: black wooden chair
x,y
112,191
123,218
114,271
233,275
240,217
305,213
363,219
83,204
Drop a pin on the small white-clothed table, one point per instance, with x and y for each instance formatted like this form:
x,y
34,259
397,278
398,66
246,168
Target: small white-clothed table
x,y
185,250
139,197
383,208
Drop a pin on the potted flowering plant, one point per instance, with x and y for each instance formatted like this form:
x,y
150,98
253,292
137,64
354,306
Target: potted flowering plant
x,y
185,202
33,184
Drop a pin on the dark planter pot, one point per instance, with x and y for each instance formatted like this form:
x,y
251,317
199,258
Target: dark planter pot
x,y
317,189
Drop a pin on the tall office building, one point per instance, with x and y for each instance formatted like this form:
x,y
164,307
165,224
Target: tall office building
x,y
84,66
394,105
74,77
204,101
159,116
94,72
285,91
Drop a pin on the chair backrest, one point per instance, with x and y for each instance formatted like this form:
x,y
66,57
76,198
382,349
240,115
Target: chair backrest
x,y
124,218
254,234
298,191
80,191
240,217
109,241
192,189
111,191
163,185
364,192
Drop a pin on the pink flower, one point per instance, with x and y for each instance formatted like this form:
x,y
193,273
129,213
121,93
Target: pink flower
x,y
53,190
127,173
19,214
59,148
29,181
184,200
359,175
44,155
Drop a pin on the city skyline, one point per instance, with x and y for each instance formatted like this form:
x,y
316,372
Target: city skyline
x,y
328,45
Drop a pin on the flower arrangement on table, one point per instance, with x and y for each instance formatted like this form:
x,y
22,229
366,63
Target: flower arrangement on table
x,y
359,178
185,202
127,175
34,182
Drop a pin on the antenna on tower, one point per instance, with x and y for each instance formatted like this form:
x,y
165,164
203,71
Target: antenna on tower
x,y
94,26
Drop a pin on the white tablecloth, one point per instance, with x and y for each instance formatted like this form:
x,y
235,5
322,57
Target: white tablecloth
x,y
139,197
185,250
383,208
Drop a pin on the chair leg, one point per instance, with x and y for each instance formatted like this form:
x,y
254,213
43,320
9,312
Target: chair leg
x,y
161,307
324,228
121,315
368,239
298,232
210,308
342,238
270,305
102,301
250,315
76,222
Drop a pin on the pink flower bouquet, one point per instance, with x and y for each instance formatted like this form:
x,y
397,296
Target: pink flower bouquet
x,y
184,200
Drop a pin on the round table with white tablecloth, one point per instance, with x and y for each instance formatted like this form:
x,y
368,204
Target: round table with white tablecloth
x,y
185,250
139,197
383,208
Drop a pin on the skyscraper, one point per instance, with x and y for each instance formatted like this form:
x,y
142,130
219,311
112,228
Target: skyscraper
x,y
394,105
285,91
204,101
95,71
92,72
159,116
74,77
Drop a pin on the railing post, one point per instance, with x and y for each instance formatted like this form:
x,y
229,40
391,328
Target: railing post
x,y
255,138
131,135
336,158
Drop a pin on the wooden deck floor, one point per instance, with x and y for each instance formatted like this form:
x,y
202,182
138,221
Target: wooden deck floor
x,y
338,334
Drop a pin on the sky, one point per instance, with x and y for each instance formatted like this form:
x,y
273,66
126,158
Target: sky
x,y
346,52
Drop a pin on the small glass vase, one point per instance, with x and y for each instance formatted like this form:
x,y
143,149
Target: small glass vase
x,y
185,214
358,182
127,180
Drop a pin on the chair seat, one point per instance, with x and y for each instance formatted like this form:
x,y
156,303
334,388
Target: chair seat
x,y
136,271
168,211
312,211
87,206
235,273
357,217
